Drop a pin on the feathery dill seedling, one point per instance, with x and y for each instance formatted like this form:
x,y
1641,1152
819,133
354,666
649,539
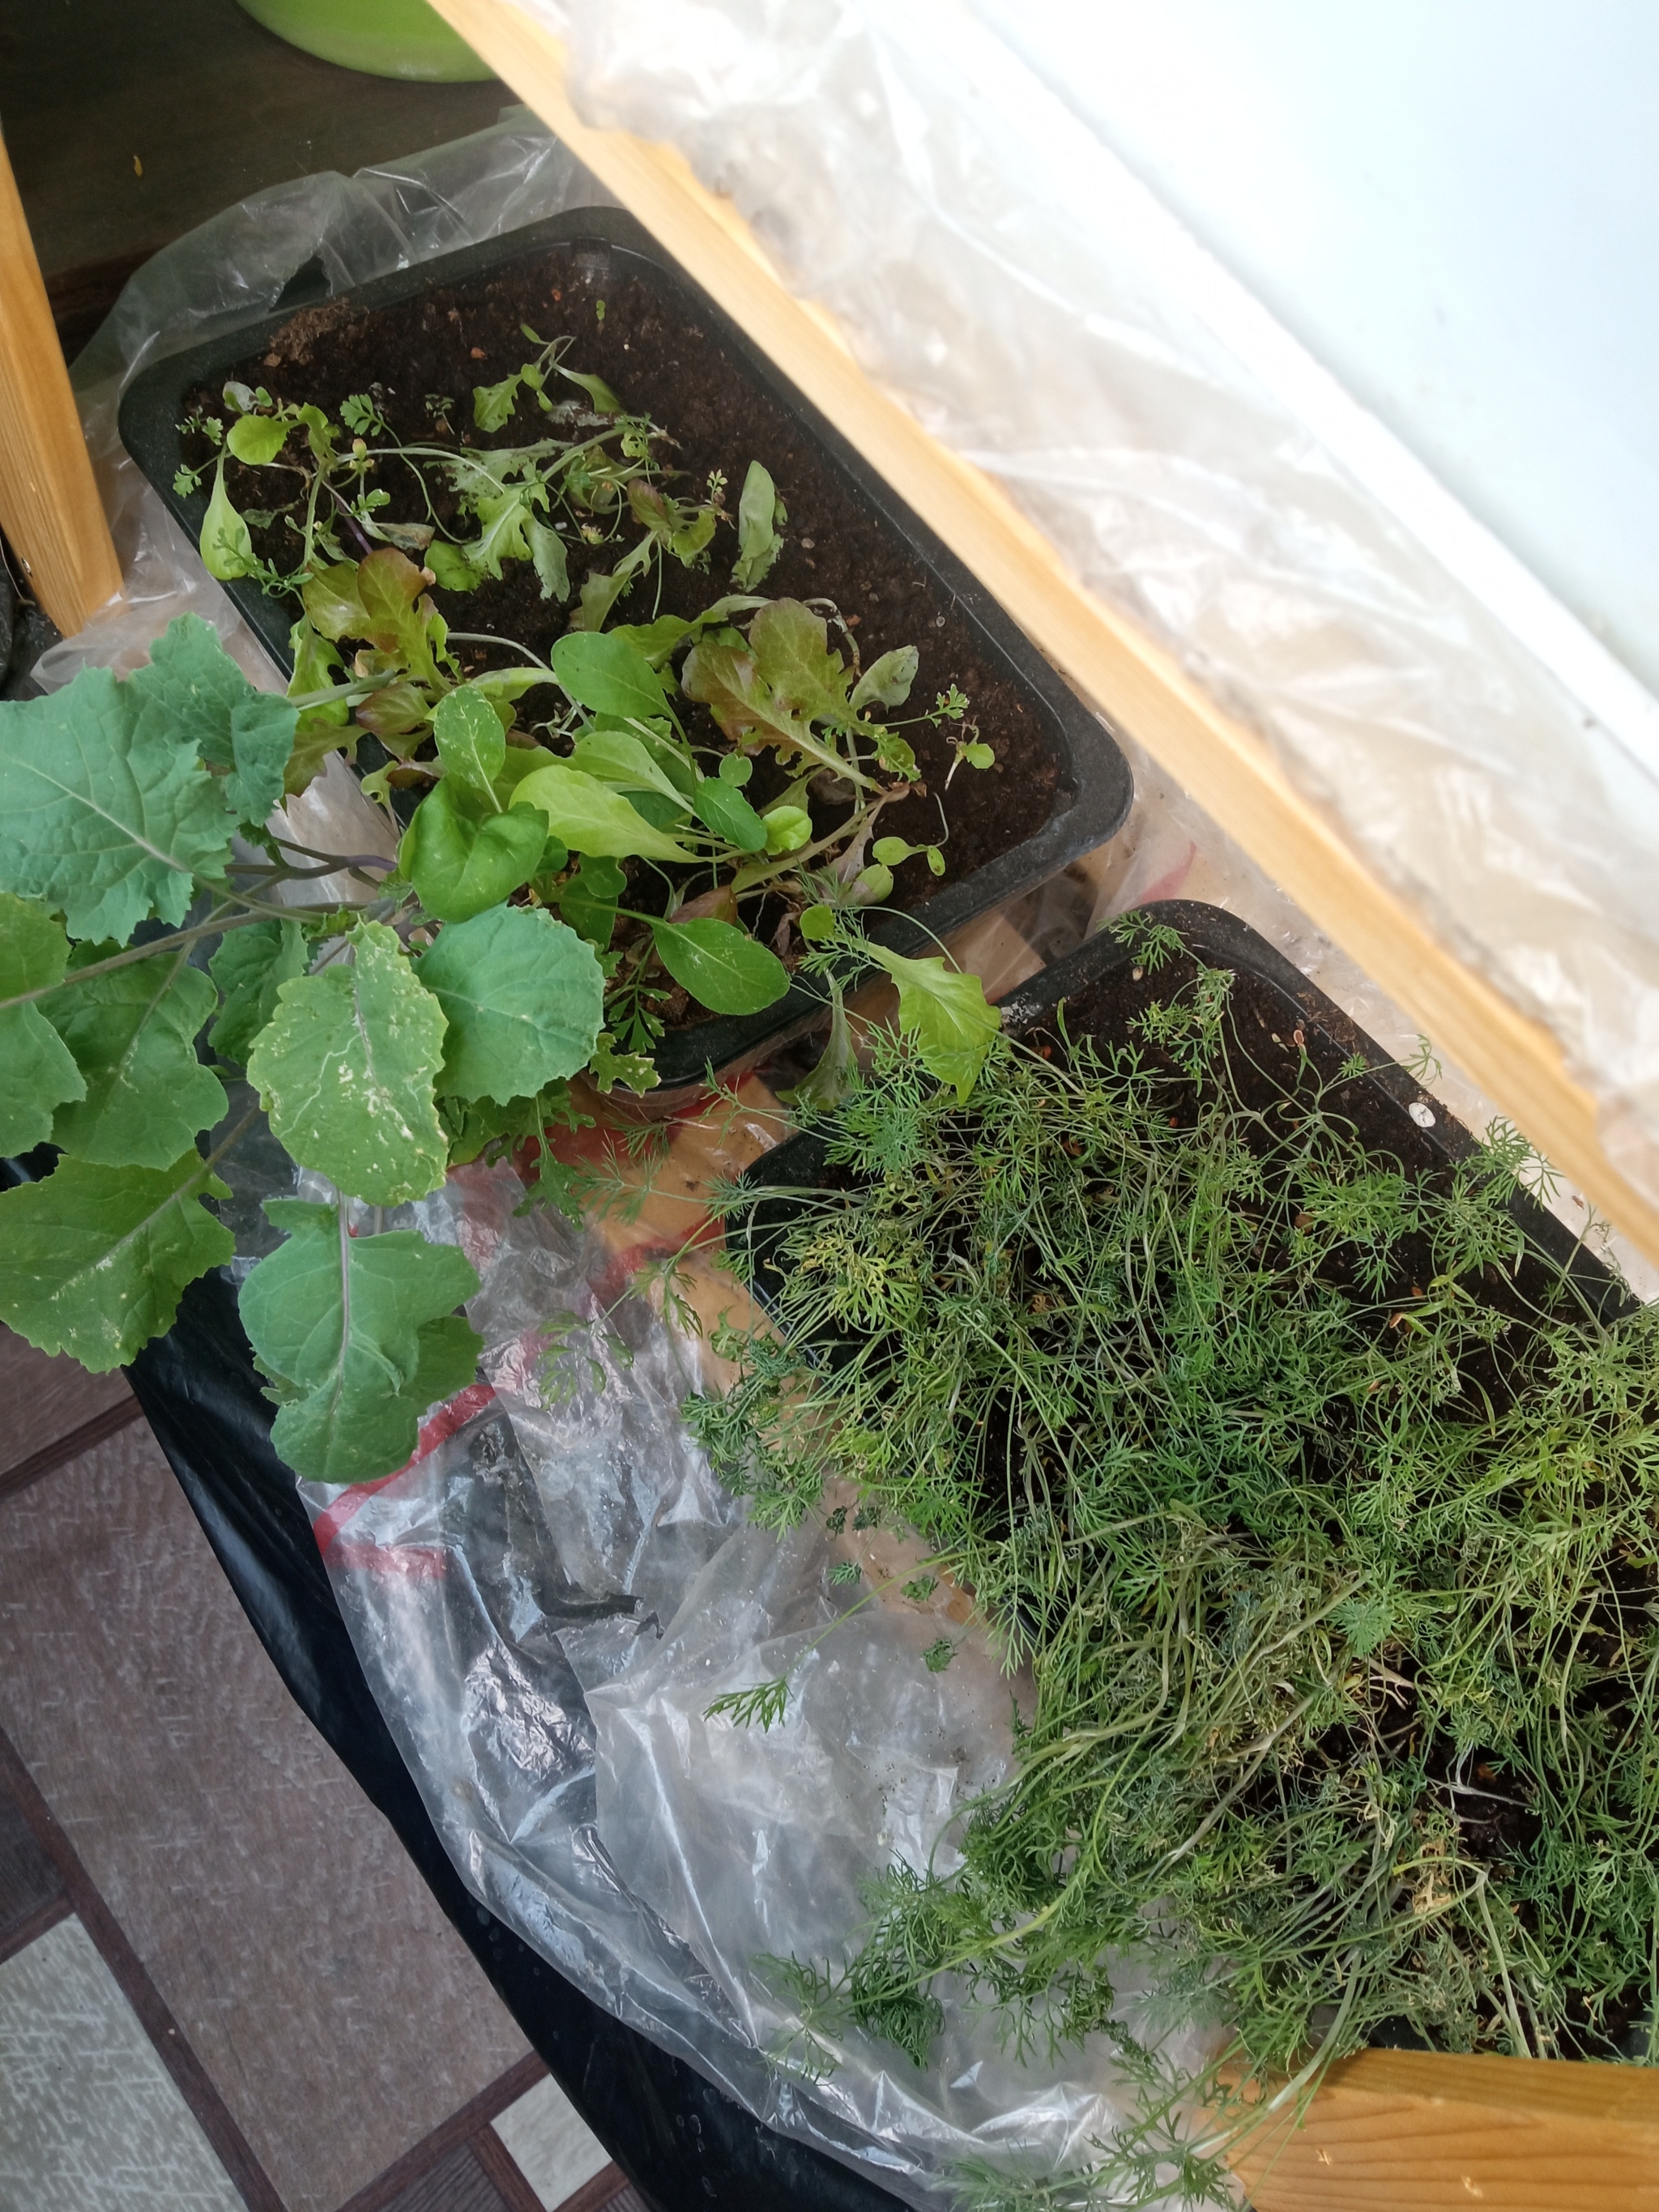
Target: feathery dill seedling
x,y
1320,1501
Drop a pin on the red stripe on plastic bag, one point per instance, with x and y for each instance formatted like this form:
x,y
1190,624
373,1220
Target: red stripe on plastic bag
x,y
408,1562
437,1428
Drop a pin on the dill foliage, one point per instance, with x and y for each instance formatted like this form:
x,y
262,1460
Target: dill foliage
x,y
1320,1501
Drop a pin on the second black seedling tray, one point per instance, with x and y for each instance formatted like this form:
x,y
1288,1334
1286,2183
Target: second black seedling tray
x,y
1098,991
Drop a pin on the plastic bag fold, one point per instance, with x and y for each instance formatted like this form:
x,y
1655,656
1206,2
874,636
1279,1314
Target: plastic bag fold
x,y
547,1601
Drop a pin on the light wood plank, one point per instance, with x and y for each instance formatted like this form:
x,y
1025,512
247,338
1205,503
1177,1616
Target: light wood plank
x,y
1411,2131
49,503
1513,1059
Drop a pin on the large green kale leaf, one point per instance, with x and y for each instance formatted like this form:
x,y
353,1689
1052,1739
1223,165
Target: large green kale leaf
x,y
250,967
94,1260
193,689
106,813
133,1032
37,1069
523,997
359,1335
344,1069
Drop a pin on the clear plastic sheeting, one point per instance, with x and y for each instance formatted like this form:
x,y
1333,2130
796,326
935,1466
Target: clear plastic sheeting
x,y
547,1600
1000,270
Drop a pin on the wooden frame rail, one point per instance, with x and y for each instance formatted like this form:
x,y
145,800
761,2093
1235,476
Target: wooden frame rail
x,y
1227,767
49,503
1412,2131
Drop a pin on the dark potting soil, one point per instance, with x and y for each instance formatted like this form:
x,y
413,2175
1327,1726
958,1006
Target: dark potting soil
x,y
1267,1038
719,416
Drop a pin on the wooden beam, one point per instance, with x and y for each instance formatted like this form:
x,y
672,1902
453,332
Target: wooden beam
x,y
49,504
1227,767
1413,2131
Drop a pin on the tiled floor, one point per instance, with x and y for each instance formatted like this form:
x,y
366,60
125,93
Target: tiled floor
x,y
90,2119
51,1405
220,1981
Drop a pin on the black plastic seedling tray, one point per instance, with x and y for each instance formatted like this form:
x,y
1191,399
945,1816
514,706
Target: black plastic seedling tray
x,y
1093,784
1096,993
1288,1016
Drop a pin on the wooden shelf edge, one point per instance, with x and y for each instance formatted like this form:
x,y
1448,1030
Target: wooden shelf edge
x,y
1228,768
49,503
1601,2096
1413,2131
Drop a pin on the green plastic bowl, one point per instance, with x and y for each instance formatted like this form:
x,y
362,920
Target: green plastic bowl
x,y
386,38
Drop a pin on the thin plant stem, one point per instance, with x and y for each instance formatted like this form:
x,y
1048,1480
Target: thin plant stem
x,y
152,950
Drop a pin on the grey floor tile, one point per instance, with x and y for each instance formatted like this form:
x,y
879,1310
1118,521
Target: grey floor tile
x,y
90,2121
28,1879
338,2014
551,2146
42,1399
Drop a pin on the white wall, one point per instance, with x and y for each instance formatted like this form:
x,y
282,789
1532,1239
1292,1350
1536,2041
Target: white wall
x,y
1455,206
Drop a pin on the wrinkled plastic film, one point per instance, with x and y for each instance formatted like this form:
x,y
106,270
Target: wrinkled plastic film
x,y
999,270
335,230
546,1602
